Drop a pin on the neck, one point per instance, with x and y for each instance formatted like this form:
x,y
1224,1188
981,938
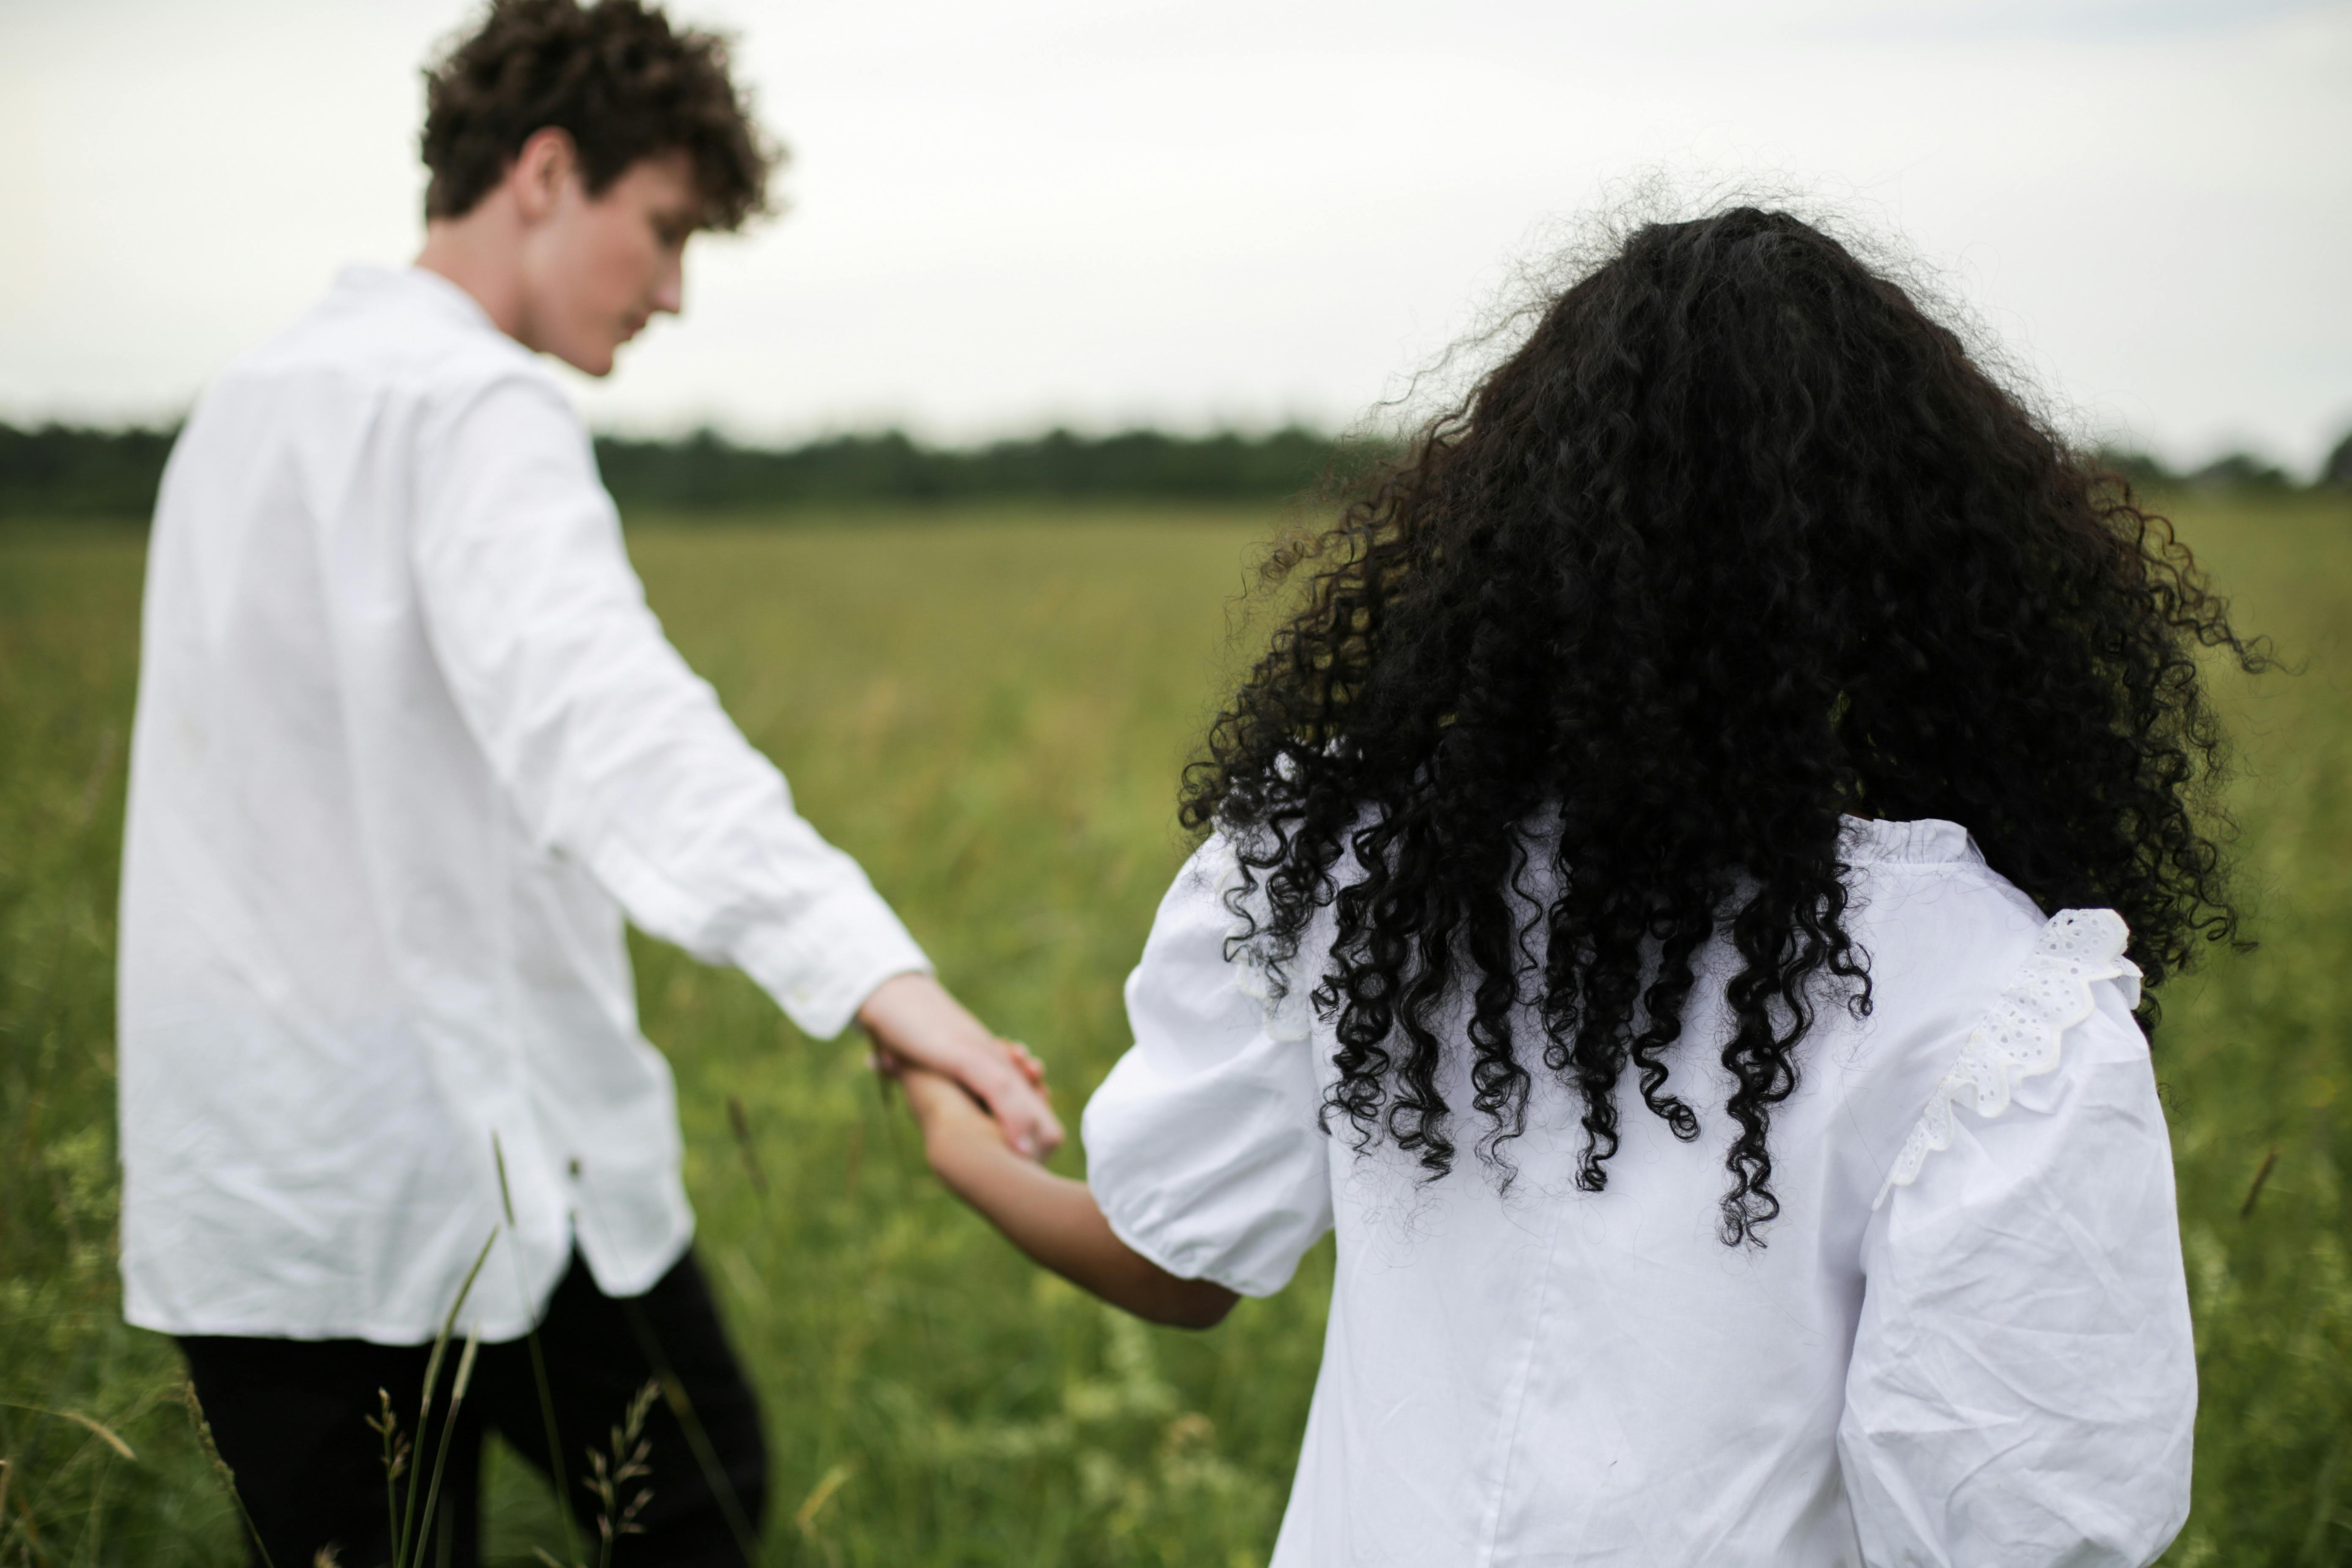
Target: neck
x,y
482,254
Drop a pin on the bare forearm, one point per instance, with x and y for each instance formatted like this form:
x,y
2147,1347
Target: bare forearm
x,y
1056,1221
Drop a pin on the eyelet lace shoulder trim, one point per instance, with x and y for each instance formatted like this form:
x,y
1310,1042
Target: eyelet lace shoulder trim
x,y
2019,1037
1289,1014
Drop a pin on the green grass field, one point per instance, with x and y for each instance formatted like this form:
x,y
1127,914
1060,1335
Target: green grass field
x,y
989,711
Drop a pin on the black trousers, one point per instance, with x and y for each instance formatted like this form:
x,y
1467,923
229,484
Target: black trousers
x,y
292,1417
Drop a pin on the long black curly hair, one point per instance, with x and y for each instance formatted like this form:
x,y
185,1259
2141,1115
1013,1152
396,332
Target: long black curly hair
x,y
1737,539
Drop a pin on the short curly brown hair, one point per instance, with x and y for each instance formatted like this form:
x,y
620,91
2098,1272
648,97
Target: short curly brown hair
x,y
617,78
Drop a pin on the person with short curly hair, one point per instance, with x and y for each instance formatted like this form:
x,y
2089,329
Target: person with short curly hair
x,y
1681,896
409,746
618,81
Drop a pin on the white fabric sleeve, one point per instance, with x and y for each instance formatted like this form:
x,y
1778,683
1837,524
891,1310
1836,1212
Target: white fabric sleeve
x,y
2024,1385
1202,1145
611,748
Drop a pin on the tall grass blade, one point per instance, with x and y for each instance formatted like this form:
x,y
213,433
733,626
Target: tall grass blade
x,y
448,1430
396,1456
407,1531
805,1517
706,1456
572,1548
106,1434
739,1122
506,1193
220,1468
571,1543
2270,1163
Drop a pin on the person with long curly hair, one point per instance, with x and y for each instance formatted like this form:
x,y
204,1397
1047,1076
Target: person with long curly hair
x,y
1681,895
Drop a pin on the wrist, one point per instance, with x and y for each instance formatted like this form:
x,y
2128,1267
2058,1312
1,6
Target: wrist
x,y
950,1145
914,1015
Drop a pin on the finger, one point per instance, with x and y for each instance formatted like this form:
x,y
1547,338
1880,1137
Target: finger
x,y
1018,1123
1030,1128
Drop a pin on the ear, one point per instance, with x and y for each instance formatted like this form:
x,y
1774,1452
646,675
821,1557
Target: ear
x,y
548,162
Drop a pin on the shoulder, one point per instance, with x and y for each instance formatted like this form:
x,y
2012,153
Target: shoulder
x,y
383,333
1942,928
1189,962
1972,988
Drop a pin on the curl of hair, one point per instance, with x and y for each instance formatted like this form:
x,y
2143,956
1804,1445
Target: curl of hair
x,y
615,77
1737,541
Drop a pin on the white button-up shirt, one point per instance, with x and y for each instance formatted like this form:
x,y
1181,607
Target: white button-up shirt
x,y
1966,1342
409,742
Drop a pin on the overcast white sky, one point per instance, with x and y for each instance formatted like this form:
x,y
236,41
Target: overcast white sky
x,y
1019,212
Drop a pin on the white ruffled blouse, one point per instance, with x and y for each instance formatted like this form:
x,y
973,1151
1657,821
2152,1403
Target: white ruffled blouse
x,y
1966,1341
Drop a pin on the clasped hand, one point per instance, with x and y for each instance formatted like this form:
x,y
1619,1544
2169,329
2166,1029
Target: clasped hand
x,y
913,1019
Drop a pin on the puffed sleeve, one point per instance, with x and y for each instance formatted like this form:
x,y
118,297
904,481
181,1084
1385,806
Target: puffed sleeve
x,y
1202,1145
2023,1384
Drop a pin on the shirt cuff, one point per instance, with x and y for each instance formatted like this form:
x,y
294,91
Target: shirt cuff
x,y
822,967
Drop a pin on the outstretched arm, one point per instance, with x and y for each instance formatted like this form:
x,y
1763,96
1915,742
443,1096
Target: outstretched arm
x,y
1053,1219
611,751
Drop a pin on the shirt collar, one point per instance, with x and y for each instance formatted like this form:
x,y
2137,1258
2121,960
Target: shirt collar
x,y
429,289
1930,840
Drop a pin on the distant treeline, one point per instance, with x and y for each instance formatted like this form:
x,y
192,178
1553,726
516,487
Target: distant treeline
x,y
58,471
2237,470
66,471
705,472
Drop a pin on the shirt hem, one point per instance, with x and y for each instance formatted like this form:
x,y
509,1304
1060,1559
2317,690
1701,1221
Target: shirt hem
x,y
401,1336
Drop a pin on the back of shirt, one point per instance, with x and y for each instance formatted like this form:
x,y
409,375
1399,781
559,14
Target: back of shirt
x,y
408,744
1976,1354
